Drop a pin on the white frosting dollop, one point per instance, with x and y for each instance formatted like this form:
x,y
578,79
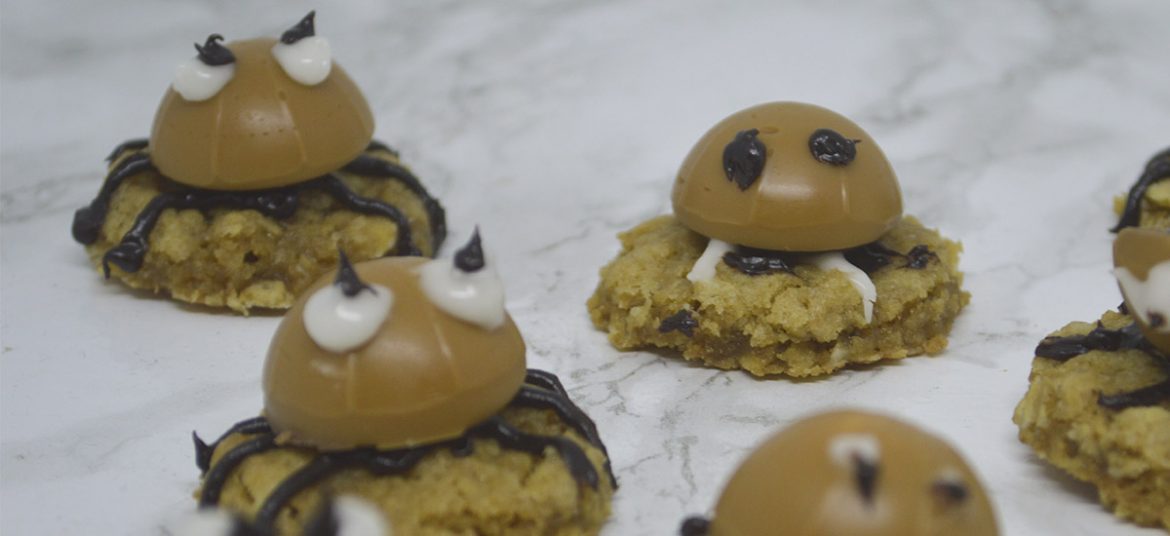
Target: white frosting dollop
x,y
197,81
340,323
845,447
835,260
704,267
358,517
206,522
476,297
1148,297
308,60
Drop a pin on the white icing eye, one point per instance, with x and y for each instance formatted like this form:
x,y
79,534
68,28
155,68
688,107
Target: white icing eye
x,y
345,315
467,288
358,517
203,76
846,448
304,56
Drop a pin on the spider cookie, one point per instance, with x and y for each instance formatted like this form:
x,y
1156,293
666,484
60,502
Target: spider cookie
x,y
1148,201
787,254
850,472
1098,400
403,382
259,167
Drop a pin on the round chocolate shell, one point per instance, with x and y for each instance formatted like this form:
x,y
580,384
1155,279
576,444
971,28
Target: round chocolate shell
x,y
849,472
1141,258
423,376
788,176
263,129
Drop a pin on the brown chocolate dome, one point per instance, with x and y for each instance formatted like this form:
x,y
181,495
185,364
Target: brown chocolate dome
x,y
1139,251
788,176
855,473
424,376
263,129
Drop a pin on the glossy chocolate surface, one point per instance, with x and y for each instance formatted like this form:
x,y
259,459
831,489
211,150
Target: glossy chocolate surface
x,y
263,129
823,183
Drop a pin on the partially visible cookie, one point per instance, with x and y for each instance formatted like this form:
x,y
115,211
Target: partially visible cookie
x,y
1124,453
802,322
1148,202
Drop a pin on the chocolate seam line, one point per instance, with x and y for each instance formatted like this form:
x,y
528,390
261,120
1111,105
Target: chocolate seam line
x,y
279,203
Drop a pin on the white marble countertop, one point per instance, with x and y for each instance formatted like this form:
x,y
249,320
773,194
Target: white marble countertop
x,y
554,125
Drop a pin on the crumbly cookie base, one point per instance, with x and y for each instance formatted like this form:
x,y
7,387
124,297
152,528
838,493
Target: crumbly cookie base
x,y
241,259
806,324
1125,454
490,492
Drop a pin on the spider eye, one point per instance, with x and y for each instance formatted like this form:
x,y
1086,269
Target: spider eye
x,y
345,315
304,56
830,147
467,288
743,158
861,455
202,77
949,489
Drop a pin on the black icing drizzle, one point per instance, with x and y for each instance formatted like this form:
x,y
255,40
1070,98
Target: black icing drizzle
x,y
214,54
347,278
1110,340
469,258
830,147
542,390
695,526
279,203
304,28
743,158
682,321
1157,169
869,258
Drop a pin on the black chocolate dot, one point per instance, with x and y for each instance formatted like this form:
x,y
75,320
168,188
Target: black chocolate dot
x,y
830,147
347,278
743,158
214,54
301,30
949,491
470,257
682,322
695,526
866,473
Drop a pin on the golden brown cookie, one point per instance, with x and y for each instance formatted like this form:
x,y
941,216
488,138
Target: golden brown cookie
x,y
490,491
243,259
1084,413
804,321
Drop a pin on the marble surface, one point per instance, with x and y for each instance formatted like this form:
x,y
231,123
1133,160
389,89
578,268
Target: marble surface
x,y
555,124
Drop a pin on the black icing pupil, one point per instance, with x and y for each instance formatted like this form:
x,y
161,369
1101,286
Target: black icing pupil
x,y
830,147
470,257
347,279
743,158
303,29
214,54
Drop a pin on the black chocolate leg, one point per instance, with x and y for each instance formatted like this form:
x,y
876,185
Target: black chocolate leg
x,y
377,167
203,451
87,221
1158,168
1146,396
403,244
511,438
136,144
306,476
214,480
545,380
129,254
695,526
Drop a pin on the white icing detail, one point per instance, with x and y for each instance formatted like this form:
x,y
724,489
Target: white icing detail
x,y
950,475
1149,296
704,268
835,260
339,323
206,522
476,297
359,517
197,81
307,61
845,447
